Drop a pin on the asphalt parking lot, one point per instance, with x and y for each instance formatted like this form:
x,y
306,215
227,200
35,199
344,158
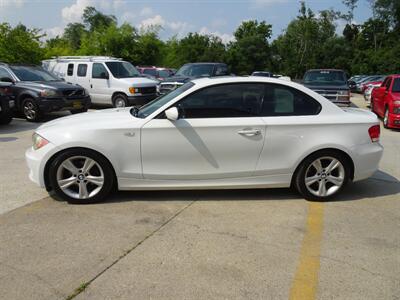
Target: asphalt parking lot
x,y
240,244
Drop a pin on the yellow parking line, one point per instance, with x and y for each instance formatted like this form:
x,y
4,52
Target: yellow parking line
x,y
305,282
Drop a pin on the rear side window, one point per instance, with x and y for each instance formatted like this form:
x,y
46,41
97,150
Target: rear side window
x,y
70,70
98,71
82,70
224,101
221,70
280,100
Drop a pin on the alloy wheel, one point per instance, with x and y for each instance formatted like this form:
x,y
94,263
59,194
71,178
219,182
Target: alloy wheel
x,y
80,177
30,110
325,176
119,102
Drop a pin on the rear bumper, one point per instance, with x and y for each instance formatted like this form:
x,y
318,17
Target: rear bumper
x,y
141,100
56,104
366,159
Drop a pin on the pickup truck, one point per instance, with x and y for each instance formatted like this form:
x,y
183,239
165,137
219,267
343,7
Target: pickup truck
x,y
192,71
330,83
6,103
385,101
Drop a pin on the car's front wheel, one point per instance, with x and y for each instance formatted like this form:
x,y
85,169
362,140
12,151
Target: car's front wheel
x,y
386,118
31,110
322,175
81,176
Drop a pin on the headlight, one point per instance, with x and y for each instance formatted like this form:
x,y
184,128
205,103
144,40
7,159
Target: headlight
x,y
133,90
48,93
38,141
343,93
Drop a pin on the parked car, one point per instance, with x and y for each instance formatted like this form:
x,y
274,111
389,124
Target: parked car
x,y
262,73
37,91
371,78
108,80
330,83
368,91
352,82
210,133
155,73
385,101
192,71
376,80
6,103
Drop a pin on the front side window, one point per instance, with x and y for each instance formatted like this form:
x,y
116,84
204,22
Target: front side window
x,y
223,101
388,83
98,71
70,70
33,73
396,85
82,69
152,72
122,69
221,70
152,106
280,100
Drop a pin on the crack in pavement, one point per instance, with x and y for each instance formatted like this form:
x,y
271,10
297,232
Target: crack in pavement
x,y
84,286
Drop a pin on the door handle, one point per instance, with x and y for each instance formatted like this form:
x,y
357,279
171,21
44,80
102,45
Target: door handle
x,y
250,132
91,86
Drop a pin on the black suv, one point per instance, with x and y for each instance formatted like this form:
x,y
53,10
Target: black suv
x,y
6,103
37,91
330,83
192,71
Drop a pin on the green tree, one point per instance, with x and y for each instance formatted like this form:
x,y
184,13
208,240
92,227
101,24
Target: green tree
x,y
20,44
74,33
96,20
251,50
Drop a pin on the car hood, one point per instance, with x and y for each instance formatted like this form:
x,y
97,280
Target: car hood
x,y
138,81
101,119
59,85
181,79
327,87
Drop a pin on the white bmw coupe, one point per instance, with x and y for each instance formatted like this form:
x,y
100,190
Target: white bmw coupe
x,y
219,133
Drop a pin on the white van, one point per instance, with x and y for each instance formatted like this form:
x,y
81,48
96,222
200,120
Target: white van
x,y
108,80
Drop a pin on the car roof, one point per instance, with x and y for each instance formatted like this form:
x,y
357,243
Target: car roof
x,y
206,63
311,70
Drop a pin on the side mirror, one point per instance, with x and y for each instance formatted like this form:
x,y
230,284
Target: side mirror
x,y
172,114
6,79
105,75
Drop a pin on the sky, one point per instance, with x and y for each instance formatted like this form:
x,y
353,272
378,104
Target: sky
x,y
177,17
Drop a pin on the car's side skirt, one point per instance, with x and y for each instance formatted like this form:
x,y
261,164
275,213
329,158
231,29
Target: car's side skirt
x,y
267,181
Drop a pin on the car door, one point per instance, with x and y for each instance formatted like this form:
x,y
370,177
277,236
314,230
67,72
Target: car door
x,y
82,76
290,117
100,84
379,94
218,135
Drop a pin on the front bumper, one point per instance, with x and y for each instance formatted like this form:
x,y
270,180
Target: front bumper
x,y
394,120
36,161
141,100
56,104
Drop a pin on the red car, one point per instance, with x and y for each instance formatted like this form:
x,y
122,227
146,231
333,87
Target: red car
x,y
385,101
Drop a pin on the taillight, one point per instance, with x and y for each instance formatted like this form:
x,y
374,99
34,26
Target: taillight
x,y
374,133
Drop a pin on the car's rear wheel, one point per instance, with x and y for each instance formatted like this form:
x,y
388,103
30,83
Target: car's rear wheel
x,y
81,176
371,105
31,110
322,175
120,100
386,118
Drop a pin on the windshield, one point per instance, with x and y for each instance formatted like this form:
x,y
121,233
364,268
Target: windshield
x,y
325,77
152,106
122,69
396,85
33,73
195,70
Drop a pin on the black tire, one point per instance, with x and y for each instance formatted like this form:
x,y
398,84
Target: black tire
x,y
386,118
371,105
300,175
5,118
120,100
31,110
108,175
78,111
